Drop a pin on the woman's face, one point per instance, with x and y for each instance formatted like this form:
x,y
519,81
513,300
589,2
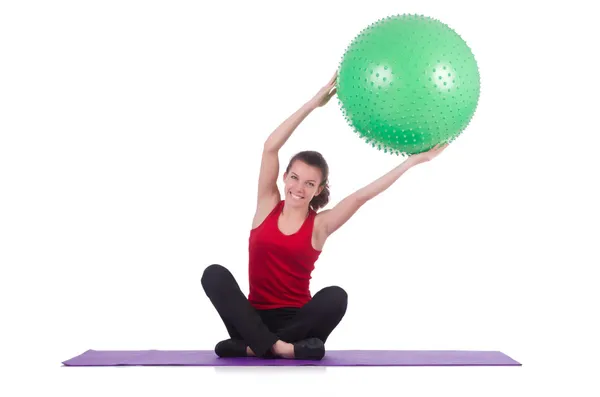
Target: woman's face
x,y
302,183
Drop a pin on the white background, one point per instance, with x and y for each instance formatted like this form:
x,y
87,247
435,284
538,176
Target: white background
x,y
130,142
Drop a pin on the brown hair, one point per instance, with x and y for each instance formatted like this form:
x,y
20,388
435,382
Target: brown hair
x,y
315,159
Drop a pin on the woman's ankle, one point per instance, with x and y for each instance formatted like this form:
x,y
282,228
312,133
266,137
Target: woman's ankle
x,y
283,349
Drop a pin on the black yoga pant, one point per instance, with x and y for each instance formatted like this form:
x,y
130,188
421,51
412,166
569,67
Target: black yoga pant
x,y
260,329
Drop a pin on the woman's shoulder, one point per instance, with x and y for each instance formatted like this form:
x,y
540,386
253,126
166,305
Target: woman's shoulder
x,y
264,209
319,235
318,218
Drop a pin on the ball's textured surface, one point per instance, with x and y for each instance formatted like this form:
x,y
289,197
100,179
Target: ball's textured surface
x,y
407,83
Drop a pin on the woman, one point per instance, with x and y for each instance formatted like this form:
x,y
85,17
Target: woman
x,y
280,319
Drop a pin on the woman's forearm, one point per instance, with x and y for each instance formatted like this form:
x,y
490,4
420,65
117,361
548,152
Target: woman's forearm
x,y
282,133
384,182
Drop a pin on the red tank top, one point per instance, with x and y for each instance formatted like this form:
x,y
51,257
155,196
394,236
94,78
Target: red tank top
x,y
280,265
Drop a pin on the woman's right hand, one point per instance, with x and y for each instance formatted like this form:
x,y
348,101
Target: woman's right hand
x,y
325,93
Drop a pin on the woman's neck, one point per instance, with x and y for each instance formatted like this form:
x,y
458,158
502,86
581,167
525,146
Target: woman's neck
x,y
294,213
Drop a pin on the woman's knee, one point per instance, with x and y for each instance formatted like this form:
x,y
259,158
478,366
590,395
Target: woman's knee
x,y
214,275
335,296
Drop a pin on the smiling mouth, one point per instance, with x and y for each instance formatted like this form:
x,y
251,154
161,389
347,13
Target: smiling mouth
x,y
296,197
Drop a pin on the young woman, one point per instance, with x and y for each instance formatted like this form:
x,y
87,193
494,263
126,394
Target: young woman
x,y
280,318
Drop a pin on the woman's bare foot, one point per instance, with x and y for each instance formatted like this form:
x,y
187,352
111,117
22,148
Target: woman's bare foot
x,y
249,352
283,349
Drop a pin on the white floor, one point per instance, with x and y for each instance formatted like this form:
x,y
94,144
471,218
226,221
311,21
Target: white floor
x,y
315,381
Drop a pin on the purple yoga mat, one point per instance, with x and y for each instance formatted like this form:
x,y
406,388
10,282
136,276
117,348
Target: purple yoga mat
x,y
333,358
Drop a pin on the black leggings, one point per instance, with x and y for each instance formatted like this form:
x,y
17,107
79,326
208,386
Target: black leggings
x,y
260,329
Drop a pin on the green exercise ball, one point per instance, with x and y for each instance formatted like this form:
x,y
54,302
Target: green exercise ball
x,y
407,83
